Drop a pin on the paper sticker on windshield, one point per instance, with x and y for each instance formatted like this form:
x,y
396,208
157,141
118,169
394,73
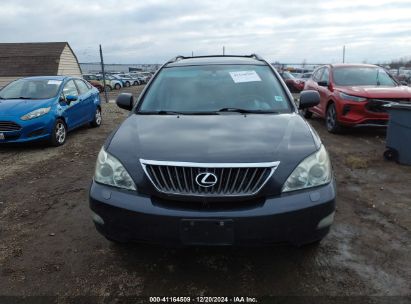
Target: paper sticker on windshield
x,y
278,98
54,82
244,76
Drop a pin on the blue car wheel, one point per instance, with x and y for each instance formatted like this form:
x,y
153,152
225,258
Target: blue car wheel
x,y
97,118
59,134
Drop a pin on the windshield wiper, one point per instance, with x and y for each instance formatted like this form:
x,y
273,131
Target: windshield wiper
x,y
159,112
234,110
245,111
22,97
174,113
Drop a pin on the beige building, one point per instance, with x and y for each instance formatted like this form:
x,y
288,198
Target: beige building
x,y
19,60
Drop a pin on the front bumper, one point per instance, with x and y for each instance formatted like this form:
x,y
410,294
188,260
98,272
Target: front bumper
x,y
31,130
293,217
360,113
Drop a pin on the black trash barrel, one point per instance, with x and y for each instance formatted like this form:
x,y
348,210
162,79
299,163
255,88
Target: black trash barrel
x,y
399,133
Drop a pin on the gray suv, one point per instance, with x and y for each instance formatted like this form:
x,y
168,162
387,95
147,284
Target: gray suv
x,y
214,152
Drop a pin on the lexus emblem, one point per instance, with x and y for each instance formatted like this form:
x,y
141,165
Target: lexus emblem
x,y
206,179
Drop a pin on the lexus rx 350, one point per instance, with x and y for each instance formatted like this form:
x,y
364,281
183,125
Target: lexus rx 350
x,y
214,152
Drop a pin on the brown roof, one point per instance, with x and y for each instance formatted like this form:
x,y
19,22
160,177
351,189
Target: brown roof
x,y
30,59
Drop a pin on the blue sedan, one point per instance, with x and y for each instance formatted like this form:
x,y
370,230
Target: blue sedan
x,y
46,108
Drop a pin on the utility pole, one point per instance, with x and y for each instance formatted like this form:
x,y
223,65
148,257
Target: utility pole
x,y
192,53
223,50
344,54
104,74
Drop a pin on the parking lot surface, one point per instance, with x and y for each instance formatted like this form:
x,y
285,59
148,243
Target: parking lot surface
x,y
49,245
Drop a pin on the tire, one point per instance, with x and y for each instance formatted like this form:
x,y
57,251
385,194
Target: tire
x,y
108,88
307,113
127,84
117,86
135,83
331,122
391,155
97,118
59,134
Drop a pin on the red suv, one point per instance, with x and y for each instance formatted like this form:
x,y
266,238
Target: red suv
x,y
353,94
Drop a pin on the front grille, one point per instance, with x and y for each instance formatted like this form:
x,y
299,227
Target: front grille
x,y
377,105
6,126
205,179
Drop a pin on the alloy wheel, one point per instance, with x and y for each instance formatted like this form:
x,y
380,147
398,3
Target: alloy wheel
x,y
60,132
331,117
98,116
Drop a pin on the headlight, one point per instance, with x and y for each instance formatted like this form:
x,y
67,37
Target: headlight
x,y
313,171
35,113
352,98
111,172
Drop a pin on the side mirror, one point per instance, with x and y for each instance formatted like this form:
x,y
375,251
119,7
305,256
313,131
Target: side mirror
x,y
323,83
70,98
125,101
309,99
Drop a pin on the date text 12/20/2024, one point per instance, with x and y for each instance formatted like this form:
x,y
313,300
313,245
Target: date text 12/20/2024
x,y
202,299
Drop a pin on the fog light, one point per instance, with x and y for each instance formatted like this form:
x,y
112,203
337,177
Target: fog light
x,y
346,109
327,221
97,218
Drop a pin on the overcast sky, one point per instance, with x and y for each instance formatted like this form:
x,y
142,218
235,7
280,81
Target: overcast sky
x,y
154,31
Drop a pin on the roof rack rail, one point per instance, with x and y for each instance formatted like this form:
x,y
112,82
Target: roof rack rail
x,y
178,57
256,56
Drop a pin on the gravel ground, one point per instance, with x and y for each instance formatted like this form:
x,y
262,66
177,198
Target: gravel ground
x,y
49,245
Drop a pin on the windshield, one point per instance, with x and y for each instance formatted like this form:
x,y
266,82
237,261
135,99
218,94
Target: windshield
x,y
362,76
31,89
215,87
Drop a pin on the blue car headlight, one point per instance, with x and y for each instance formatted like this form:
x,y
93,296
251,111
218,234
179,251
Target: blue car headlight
x,y
35,113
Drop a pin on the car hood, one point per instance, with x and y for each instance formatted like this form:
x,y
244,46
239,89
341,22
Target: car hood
x,y
19,107
399,92
229,138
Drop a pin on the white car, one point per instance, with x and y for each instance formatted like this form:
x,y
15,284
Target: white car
x,y
114,83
